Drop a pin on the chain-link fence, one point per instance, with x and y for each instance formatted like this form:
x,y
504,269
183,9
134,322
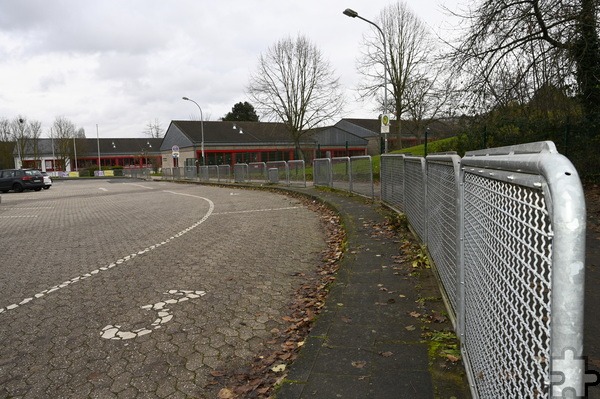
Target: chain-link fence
x,y
297,173
505,229
322,172
361,175
354,174
138,173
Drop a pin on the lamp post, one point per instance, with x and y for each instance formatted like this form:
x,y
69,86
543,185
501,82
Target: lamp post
x,y
75,153
353,14
201,127
98,142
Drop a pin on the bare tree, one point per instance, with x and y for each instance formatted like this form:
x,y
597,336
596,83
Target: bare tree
x,y
21,136
35,132
296,85
429,98
410,48
6,145
513,48
154,130
64,133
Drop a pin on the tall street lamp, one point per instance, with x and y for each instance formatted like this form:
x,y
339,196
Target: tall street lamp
x,y
98,142
384,117
201,127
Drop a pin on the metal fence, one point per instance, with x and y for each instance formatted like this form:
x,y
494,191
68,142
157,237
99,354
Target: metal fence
x,y
288,173
505,229
138,173
297,173
218,173
354,174
361,175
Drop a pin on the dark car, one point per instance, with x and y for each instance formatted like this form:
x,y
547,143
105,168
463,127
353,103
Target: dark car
x,y
20,179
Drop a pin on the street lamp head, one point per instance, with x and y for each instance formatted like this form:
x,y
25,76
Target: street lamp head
x,y
351,13
185,98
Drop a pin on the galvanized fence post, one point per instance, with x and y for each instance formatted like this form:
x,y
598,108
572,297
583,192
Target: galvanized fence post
x,y
524,249
443,227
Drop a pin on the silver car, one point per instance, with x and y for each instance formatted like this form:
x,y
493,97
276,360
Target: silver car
x,y
47,180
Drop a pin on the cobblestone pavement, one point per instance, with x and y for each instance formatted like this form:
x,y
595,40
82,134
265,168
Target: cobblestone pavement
x,y
131,289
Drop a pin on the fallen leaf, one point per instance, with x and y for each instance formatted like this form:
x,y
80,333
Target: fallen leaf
x,y
410,328
359,364
217,373
415,314
452,358
346,319
386,354
226,393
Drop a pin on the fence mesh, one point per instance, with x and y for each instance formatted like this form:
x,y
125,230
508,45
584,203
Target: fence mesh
x,y
414,195
282,171
507,247
322,172
297,173
361,182
442,227
340,173
257,171
392,181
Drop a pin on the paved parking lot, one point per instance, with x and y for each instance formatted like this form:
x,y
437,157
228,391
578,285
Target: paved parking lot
x,y
118,288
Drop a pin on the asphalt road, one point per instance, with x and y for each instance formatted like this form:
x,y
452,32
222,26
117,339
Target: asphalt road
x,y
131,289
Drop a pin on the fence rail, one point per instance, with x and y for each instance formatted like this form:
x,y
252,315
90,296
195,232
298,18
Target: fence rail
x,y
505,229
289,173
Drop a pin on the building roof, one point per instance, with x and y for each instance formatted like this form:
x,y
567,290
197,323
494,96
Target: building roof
x,y
89,146
229,133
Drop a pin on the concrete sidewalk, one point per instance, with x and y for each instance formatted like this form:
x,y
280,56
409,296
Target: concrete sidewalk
x,y
383,332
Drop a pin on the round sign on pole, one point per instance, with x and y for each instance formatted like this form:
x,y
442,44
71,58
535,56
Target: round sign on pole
x,y
175,148
385,123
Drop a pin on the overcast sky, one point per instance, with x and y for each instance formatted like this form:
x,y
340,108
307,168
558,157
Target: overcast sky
x,y
121,64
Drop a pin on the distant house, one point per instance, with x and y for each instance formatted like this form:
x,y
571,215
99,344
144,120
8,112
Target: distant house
x,y
411,133
228,142
66,155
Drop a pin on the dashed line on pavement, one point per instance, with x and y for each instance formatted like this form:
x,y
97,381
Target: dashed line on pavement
x,y
118,261
18,216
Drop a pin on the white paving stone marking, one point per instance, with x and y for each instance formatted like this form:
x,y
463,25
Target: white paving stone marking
x,y
211,207
164,315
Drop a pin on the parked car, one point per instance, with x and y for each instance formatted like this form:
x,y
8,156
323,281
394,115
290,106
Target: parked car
x,y
20,179
47,180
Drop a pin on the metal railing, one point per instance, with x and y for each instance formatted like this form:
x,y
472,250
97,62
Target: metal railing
x,y
257,172
361,175
297,173
354,174
138,173
505,229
